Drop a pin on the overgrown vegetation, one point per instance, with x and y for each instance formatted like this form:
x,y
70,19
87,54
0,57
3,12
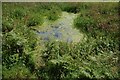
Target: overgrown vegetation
x,y
80,61
24,56
35,20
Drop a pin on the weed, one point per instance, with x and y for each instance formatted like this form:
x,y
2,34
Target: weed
x,y
86,24
35,20
7,26
54,13
18,13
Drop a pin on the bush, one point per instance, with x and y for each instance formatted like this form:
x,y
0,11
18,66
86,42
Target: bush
x,y
54,70
34,20
80,61
73,7
7,26
86,24
54,13
17,46
18,71
18,13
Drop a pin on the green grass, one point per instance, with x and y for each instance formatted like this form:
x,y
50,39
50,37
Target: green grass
x,y
25,56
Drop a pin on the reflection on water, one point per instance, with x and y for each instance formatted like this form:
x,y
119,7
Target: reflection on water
x,y
62,30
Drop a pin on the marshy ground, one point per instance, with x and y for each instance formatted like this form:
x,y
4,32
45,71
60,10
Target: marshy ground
x,y
61,30
60,41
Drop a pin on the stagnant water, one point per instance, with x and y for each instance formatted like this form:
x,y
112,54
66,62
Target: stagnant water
x,y
61,30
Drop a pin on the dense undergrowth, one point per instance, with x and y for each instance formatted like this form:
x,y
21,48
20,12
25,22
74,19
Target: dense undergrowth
x,y
24,56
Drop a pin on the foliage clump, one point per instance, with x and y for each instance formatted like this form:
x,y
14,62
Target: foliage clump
x,y
35,20
54,13
85,23
79,61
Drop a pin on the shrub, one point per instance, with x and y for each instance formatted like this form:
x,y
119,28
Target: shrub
x,y
35,20
7,25
18,71
54,70
73,7
54,13
18,13
86,24
80,61
17,47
